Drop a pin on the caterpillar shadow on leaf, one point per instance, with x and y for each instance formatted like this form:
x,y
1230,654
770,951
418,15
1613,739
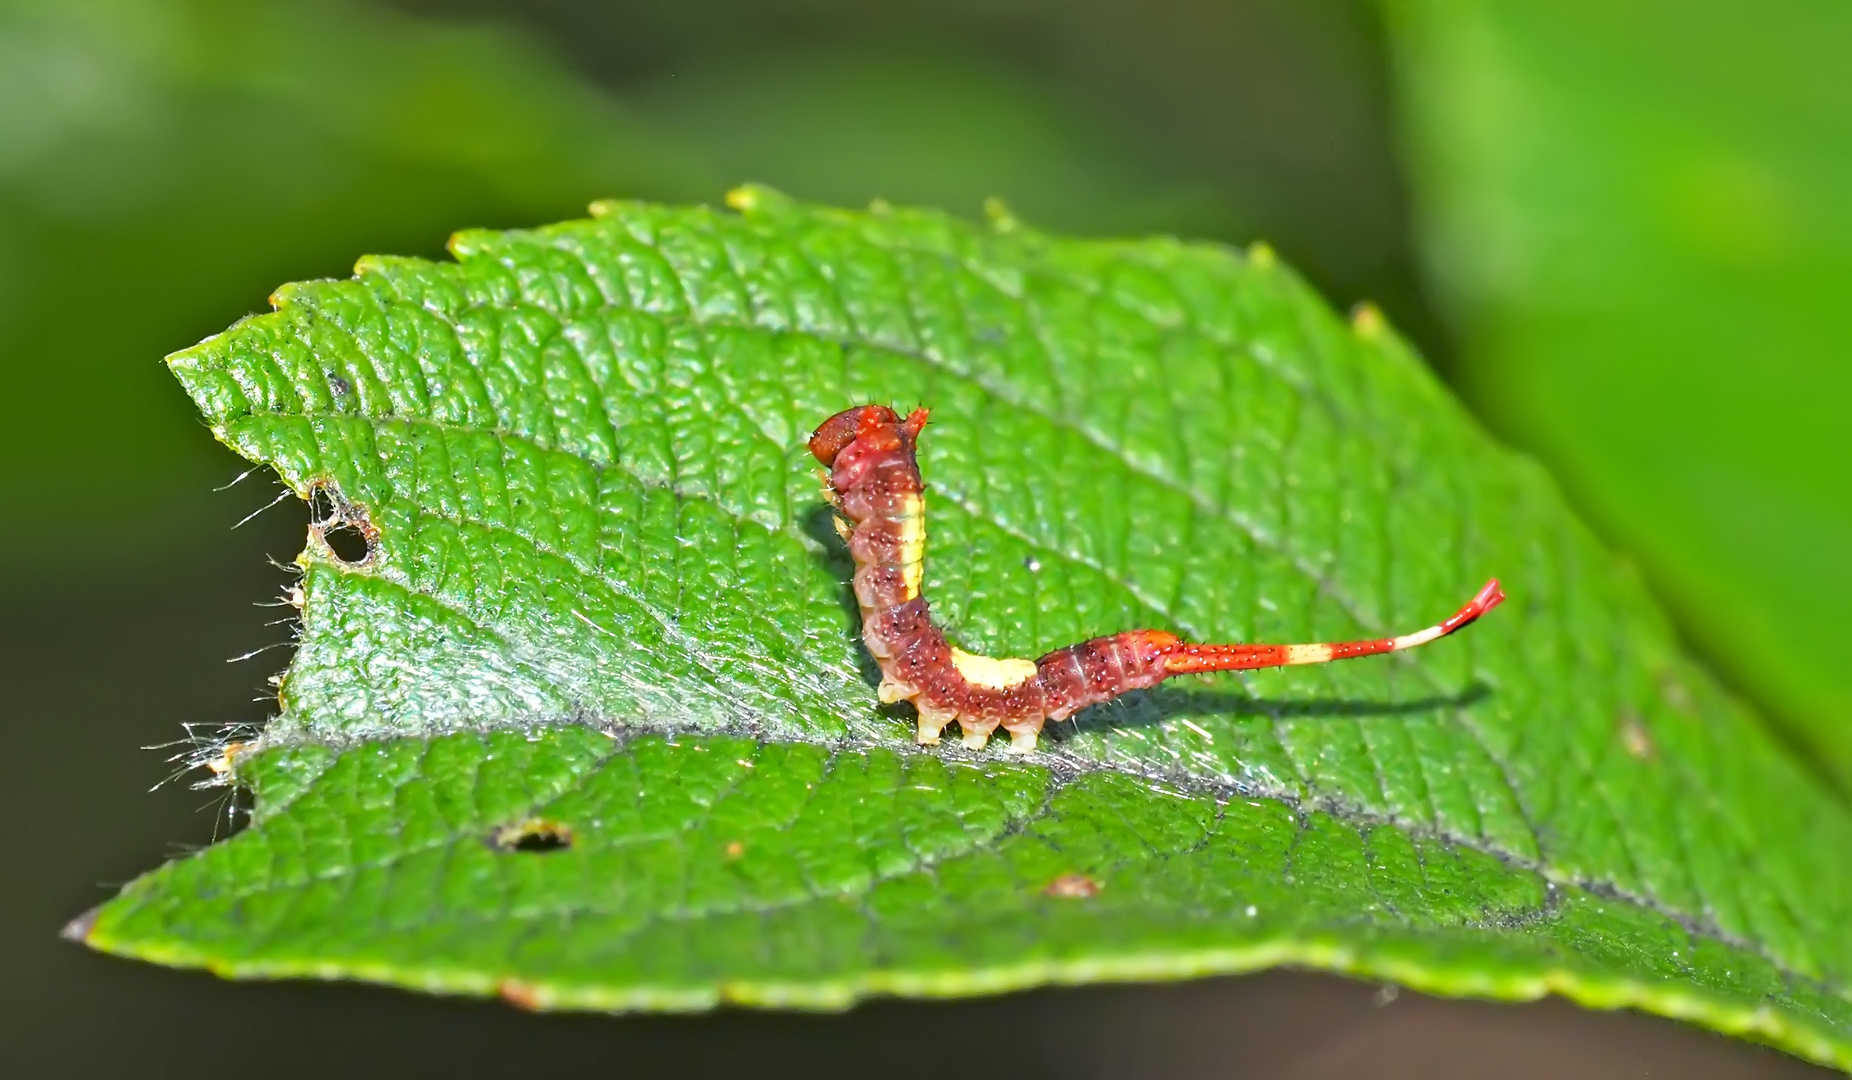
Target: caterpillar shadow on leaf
x,y
1150,708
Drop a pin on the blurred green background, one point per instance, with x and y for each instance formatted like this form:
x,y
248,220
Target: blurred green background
x,y
1619,231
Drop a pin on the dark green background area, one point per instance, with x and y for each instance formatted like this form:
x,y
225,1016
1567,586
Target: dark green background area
x,y
163,166
1636,217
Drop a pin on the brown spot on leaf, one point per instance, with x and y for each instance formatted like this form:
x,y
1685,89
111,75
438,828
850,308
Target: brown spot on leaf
x,y
522,995
1635,737
1073,887
735,849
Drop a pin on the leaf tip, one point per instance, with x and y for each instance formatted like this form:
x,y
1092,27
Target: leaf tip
x,y
78,929
182,361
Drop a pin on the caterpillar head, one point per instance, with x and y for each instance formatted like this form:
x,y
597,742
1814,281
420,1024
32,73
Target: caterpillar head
x,y
845,427
875,422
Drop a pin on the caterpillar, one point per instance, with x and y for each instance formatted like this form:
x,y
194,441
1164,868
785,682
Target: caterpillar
x,y
873,481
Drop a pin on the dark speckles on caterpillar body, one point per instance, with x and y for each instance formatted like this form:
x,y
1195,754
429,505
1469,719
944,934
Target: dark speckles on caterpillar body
x,y
874,483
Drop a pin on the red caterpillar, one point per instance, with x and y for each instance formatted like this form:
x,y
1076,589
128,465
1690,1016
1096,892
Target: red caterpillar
x,y
874,482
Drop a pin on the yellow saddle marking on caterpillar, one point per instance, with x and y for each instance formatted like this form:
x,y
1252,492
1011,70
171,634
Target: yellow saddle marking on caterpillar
x,y
990,673
913,543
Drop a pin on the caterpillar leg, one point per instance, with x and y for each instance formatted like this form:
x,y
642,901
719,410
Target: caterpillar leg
x,y
977,731
931,722
1023,732
892,690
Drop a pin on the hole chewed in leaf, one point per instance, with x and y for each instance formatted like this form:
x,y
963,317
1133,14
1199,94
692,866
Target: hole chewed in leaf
x,y
341,525
348,544
535,836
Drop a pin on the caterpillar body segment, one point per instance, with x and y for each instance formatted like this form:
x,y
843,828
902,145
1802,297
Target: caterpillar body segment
x,y
873,481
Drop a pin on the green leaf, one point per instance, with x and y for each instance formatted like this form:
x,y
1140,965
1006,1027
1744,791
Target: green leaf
x,y
1637,213
603,613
